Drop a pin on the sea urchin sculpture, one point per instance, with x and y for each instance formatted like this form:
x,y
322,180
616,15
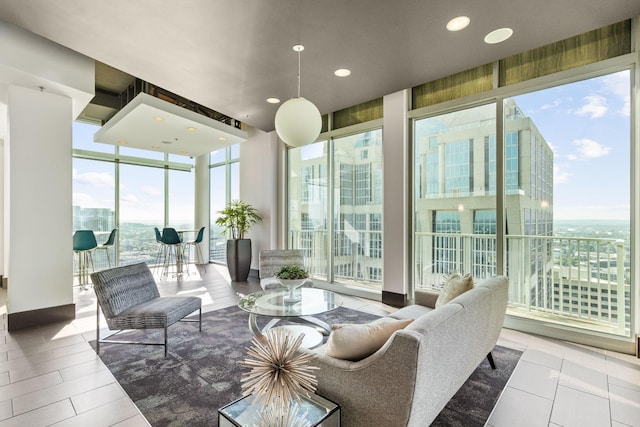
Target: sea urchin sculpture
x,y
278,372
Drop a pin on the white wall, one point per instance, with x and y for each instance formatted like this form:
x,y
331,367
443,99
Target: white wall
x,y
259,187
38,226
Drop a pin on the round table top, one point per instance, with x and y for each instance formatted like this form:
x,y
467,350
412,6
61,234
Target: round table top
x,y
273,302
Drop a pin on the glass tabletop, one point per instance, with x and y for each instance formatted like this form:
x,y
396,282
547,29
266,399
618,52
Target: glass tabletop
x,y
273,302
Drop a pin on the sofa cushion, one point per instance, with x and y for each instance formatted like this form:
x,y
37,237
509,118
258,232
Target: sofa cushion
x,y
357,341
455,285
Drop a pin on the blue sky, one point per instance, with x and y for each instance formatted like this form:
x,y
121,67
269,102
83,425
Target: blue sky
x,y
587,125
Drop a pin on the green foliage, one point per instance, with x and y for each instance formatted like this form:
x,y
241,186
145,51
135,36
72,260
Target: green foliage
x,y
238,217
291,272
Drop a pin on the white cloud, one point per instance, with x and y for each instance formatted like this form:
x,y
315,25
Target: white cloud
x,y
151,190
129,198
93,178
589,149
595,106
560,176
554,104
618,85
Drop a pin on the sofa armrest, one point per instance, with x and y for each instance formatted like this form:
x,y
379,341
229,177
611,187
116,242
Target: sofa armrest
x,y
389,373
426,297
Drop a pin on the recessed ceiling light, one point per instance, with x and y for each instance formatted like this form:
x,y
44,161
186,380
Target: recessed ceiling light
x,y
184,152
155,147
121,142
458,23
191,129
498,36
342,72
158,118
222,138
273,100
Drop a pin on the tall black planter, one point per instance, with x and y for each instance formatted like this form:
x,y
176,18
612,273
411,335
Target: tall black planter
x,y
239,259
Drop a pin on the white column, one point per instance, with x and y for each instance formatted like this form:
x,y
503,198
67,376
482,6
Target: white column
x,y
396,232
38,225
202,201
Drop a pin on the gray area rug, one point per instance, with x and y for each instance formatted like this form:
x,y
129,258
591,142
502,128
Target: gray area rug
x,y
201,373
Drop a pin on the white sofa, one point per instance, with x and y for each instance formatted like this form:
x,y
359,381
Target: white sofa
x,y
411,378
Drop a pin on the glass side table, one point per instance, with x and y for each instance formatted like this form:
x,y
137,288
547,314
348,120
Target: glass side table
x,y
316,410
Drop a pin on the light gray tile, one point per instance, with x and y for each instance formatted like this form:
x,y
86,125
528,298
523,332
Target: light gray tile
x,y
27,386
43,397
4,378
71,349
137,421
576,408
583,378
52,365
103,416
43,416
5,410
97,397
23,351
623,372
625,405
518,408
25,361
545,357
533,378
82,369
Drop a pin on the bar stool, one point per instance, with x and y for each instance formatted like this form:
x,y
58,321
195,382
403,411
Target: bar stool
x,y
109,243
196,243
172,243
84,242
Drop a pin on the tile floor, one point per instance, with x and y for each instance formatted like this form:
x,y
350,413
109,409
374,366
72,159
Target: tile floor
x,y
51,376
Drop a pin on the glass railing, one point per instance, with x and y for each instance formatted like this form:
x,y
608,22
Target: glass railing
x,y
357,255
583,282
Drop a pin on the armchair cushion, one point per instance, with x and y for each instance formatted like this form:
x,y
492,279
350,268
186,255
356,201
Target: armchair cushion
x,y
357,341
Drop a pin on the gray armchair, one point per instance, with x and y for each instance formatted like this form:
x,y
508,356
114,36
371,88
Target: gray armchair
x,y
129,299
271,260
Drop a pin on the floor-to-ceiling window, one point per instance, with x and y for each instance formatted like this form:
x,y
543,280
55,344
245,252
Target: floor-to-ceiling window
x,y
563,173
454,194
336,217
224,176
569,247
308,199
129,189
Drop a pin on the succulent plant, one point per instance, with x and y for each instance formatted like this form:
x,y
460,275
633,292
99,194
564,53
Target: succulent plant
x,y
291,272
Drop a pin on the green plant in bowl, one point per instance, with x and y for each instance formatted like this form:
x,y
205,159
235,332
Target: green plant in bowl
x,y
290,272
292,277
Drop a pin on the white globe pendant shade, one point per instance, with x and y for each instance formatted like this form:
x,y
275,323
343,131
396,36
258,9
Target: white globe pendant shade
x,y
298,122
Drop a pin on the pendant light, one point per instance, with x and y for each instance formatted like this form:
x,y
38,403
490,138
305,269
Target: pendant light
x,y
298,121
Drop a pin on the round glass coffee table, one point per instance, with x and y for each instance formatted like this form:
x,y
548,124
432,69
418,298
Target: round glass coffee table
x,y
274,303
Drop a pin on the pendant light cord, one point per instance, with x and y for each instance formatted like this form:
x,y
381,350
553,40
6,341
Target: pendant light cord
x,y
298,74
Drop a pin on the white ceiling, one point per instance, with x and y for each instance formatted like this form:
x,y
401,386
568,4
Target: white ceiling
x,y
149,123
231,55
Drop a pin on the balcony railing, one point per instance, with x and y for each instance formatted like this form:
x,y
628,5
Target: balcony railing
x,y
570,280
356,259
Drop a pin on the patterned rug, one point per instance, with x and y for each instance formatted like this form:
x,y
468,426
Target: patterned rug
x,y
201,373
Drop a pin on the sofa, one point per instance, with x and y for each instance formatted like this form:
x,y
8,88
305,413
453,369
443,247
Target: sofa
x,y
418,369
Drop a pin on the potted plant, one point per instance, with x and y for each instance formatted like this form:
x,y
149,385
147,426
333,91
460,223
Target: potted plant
x,y
236,219
292,277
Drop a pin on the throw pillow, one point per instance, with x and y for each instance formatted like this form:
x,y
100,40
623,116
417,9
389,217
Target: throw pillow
x,y
455,285
357,341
